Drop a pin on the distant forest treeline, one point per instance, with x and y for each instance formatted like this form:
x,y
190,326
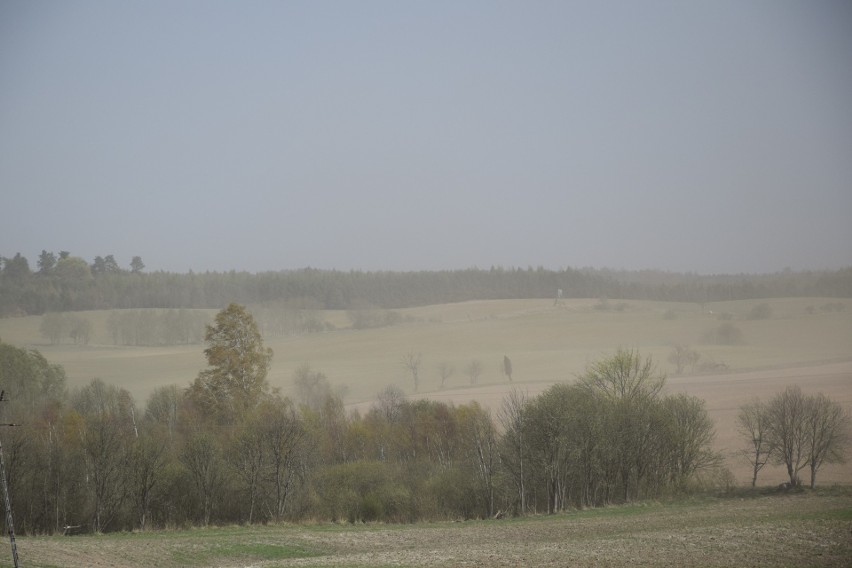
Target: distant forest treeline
x,y
69,283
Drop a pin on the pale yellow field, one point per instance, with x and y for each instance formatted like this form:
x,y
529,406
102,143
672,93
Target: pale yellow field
x,y
547,343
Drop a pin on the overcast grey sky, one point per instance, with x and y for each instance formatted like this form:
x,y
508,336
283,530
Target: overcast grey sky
x,y
708,136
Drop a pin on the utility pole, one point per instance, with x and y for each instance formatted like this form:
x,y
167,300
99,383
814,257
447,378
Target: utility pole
x,y
9,524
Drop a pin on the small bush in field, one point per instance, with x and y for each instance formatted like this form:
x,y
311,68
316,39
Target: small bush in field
x,y
725,334
760,312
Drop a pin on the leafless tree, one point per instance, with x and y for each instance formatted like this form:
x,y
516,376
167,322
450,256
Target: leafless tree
x,y
474,371
513,454
804,431
481,440
827,426
682,356
283,436
445,370
411,361
202,459
752,424
786,420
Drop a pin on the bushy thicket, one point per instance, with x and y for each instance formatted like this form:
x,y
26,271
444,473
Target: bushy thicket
x,y
230,452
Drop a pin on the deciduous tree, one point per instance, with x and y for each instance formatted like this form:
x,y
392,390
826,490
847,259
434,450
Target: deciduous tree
x,y
411,362
787,427
507,367
238,364
474,371
136,265
624,376
752,425
445,371
827,425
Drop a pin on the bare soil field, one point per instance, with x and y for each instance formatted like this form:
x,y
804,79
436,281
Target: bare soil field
x,y
750,529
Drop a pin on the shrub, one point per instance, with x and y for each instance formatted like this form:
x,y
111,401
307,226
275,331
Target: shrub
x,y
713,366
725,334
760,312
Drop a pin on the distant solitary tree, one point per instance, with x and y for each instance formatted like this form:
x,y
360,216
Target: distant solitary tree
x,y
682,356
760,311
445,370
474,371
411,362
507,367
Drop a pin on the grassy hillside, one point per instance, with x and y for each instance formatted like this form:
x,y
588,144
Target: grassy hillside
x,y
745,529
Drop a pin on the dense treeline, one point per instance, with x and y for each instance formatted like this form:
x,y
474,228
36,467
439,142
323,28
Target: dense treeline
x,y
70,283
228,449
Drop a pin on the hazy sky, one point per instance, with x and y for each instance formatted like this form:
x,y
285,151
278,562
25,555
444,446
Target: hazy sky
x,y
699,136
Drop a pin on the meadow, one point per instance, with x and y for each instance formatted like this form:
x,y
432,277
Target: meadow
x,y
797,342
742,528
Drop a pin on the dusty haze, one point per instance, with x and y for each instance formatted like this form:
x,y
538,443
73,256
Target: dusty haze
x,y
710,137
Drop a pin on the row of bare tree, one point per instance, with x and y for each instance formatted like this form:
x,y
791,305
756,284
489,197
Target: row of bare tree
x,y
797,430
